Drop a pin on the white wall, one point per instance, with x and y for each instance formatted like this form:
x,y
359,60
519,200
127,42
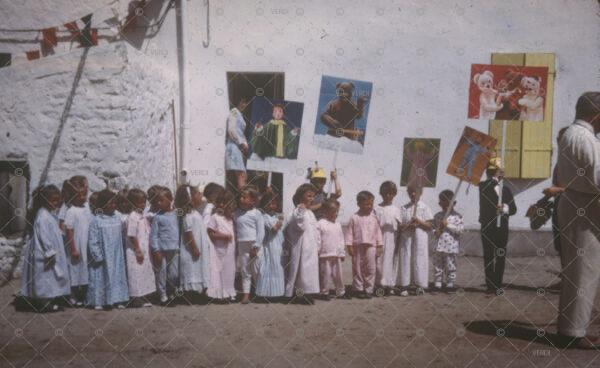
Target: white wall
x,y
119,120
416,53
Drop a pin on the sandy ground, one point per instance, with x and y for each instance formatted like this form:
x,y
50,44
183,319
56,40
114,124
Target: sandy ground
x,y
468,328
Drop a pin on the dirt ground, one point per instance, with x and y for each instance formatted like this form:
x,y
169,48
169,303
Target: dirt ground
x,y
468,328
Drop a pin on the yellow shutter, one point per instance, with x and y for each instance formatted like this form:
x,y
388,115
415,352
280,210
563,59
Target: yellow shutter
x,y
512,158
536,155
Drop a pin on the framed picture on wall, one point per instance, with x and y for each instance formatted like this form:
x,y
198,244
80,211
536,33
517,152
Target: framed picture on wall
x,y
507,92
342,114
420,162
275,133
471,156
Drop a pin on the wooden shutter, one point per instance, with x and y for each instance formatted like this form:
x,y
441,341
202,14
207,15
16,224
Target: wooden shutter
x,y
536,154
512,158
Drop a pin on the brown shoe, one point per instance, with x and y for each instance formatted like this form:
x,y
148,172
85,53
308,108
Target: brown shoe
x,y
246,299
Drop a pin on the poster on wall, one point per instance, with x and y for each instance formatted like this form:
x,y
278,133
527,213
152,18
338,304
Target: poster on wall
x,y
342,114
275,133
471,156
507,92
420,162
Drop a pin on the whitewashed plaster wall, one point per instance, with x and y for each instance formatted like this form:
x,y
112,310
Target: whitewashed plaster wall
x,y
119,122
416,53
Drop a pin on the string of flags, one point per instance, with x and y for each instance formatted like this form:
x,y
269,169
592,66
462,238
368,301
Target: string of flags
x,y
80,32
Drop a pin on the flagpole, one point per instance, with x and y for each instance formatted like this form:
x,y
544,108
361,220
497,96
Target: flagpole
x,y
451,206
335,155
501,182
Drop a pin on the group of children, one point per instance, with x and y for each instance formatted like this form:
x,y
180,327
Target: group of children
x,y
118,249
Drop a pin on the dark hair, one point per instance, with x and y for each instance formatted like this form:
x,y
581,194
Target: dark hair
x,y
212,189
223,200
40,198
134,195
78,181
240,98
68,192
123,204
329,205
183,199
301,190
364,195
267,199
388,187
183,203
446,195
414,188
152,193
104,198
93,201
588,106
251,190
164,191
561,132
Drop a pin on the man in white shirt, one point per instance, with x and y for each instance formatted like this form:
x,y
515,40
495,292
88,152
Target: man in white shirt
x,y
578,171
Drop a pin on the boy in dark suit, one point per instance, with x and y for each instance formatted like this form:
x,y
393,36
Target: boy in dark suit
x,y
494,238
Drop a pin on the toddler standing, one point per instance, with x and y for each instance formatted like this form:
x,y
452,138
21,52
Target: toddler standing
x,y
164,243
45,271
77,222
194,255
249,232
447,241
222,235
301,235
140,275
389,217
364,241
414,242
108,278
330,238
270,281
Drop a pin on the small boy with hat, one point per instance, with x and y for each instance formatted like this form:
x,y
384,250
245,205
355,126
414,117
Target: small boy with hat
x,y
318,178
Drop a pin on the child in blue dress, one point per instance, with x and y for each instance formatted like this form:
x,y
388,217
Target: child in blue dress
x,y
106,259
194,253
45,271
270,282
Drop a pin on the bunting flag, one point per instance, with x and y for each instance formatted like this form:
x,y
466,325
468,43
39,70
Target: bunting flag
x,y
81,31
134,11
118,16
32,55
85,38
49,35
74,29
5,59
49,40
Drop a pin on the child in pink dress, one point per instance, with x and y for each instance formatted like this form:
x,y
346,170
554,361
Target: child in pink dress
x,y
364,241
222,263
331,249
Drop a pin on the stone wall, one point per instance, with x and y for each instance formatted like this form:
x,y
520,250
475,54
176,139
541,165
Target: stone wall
x,y
119,121
10,254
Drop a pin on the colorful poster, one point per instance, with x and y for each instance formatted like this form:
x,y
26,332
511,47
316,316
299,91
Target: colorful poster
x,y
471,156
420,162
342,114
275,132
507,92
